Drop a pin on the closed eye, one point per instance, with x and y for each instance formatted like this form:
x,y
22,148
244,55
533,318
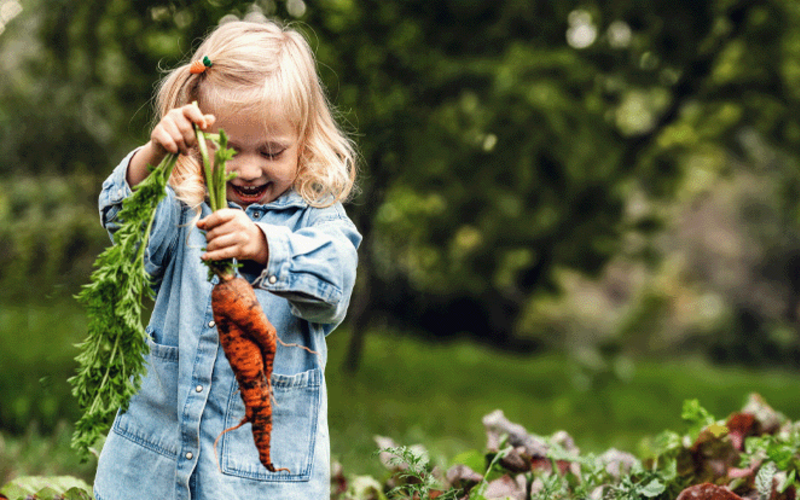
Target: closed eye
x,y
272,154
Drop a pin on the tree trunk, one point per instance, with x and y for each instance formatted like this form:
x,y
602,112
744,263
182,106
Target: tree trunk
x,y
359,315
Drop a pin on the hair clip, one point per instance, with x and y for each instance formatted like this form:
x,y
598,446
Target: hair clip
x,y
198,67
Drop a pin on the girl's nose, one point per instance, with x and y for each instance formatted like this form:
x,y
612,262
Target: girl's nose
x,y
247,168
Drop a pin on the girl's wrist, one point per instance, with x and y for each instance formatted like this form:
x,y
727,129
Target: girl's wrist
x,y
262,256
138,167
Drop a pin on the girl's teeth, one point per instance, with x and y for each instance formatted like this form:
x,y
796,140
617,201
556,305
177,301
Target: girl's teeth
x,y
250,192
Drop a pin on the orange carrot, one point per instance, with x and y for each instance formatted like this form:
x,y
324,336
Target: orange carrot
x,y
249,341
247,337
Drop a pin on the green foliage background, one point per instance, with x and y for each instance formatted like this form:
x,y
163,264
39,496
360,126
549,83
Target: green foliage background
x,y
509,149
609,180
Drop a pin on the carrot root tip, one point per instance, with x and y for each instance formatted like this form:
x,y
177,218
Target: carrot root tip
x,y
216,455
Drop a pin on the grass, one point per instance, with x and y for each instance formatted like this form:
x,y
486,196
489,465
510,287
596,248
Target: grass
x,y
35,453
36,356
436,395
412,391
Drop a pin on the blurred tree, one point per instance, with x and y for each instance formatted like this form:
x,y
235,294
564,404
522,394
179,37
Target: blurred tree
x,y
502,141
728,139
516,132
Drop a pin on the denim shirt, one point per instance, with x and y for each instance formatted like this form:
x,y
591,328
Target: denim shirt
x,y
163,446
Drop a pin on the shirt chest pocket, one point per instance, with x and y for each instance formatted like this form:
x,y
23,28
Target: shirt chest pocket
x,y
151,419
295,420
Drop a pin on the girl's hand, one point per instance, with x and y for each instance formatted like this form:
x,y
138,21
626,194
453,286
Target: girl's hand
x,y
231,234
174,133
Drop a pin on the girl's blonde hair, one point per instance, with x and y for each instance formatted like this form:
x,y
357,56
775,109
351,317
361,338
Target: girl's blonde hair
x,y
270,67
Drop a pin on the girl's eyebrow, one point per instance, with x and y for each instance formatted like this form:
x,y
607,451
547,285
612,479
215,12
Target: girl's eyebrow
x,y
274,144
270,144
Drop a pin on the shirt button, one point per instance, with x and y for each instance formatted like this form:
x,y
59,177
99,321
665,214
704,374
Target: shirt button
x,y
189,455
199,388
211,324
256,214
273,279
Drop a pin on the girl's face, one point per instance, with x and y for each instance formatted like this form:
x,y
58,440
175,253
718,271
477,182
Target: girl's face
x,y
267,157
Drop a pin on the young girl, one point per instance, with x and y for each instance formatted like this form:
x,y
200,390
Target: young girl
x,y
285,224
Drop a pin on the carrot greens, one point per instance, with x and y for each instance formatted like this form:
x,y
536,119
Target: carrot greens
x,y
111,365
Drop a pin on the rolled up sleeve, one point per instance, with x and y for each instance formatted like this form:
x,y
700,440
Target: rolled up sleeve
x,y
115,189
163,234
314,267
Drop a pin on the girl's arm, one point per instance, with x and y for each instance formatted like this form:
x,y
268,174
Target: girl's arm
x,y
313,267
174,133
168,216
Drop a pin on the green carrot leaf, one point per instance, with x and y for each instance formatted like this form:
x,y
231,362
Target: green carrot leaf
x,y
111,363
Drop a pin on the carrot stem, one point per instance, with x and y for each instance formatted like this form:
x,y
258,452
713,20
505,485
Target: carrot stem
x,y
201,142
216,178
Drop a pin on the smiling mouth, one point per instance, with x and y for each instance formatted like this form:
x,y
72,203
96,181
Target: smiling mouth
x,y
250,194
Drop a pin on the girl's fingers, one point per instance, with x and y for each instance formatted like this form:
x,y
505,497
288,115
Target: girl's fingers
x,y
169,136
223,254
179,125
224,247
187,135
193,115
216,227
175,132
218,218
182,128
220,242
163,139
222,235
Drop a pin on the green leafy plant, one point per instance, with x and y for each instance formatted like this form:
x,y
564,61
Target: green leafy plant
x,y
699,418
708,455
637,486
478,492
46,488
111,363
774,453
764,479
416,476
